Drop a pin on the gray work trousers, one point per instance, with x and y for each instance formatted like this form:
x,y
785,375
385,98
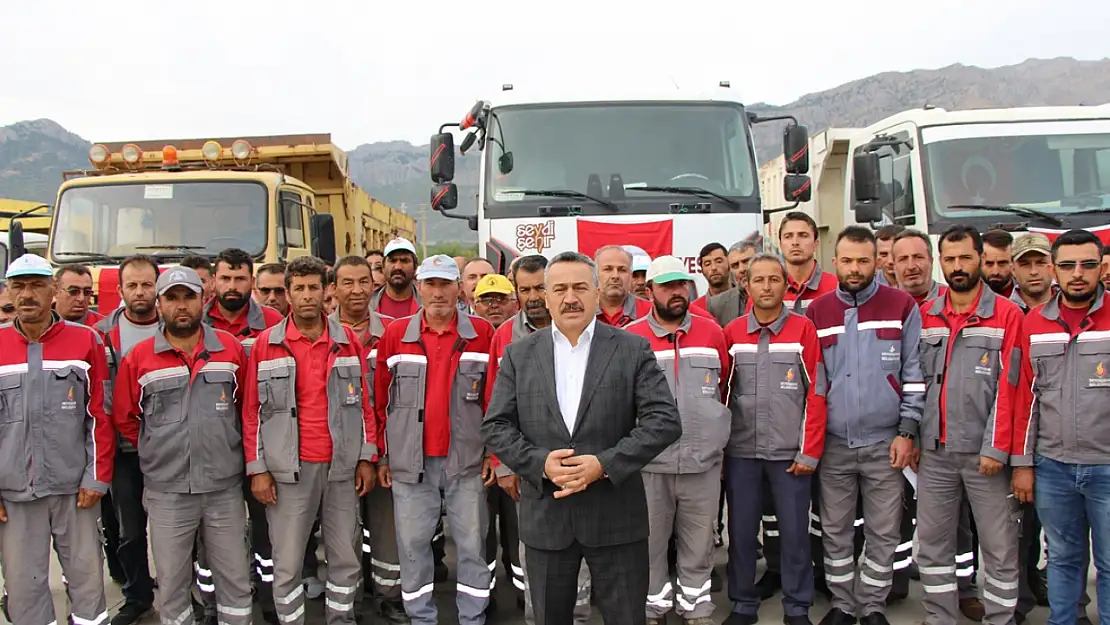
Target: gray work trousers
x,y
847,475
381,565
416,507
943,478
25,542
291,520
221,517
581,600
683,506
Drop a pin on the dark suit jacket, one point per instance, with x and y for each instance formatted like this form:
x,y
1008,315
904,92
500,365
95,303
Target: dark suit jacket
x,y
626,417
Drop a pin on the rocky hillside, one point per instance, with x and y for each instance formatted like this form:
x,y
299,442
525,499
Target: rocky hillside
x,y
34,153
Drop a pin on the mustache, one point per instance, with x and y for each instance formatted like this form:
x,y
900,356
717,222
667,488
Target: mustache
x,y
535,305
678,299
572,308
958,274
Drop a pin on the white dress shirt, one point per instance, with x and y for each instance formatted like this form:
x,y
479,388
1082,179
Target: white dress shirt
x,y
570,371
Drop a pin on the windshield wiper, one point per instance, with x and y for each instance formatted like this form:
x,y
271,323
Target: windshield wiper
x,y
694,191
1089,211
174,248
567,193
96,255
1014,210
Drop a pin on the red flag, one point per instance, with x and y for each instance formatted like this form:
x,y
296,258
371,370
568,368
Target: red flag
x,y
655,237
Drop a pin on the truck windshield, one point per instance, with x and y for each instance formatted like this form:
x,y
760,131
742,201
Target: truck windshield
x,y
583,148
117,220
1053,167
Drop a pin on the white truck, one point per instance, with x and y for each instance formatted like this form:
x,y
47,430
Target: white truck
x,y
666,171
1040,169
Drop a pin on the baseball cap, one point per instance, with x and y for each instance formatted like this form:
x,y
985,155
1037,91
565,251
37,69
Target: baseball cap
x,y
439,266
667,269
640,263
179,276
29,265
493,283
400,244
1032,242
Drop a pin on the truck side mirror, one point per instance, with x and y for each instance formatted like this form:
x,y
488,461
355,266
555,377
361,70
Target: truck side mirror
x,y
445,197
795,149
322,227
441,163
16,246
865,177
797,188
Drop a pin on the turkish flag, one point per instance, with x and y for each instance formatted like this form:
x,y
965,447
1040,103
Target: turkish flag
x,y
1102,232
654,237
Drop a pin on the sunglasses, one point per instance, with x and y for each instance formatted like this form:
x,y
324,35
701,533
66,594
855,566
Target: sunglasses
x,y
277,290
75,291
1087,265
8,309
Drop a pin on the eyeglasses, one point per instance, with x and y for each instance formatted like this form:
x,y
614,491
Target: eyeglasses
x,y
490,300
1087,265
277,290
8,309
76,291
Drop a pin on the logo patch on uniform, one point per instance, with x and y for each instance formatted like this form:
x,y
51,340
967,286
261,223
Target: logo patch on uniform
x,y
788,383
1100,380
472,394
984,367
222,405
891,355
352,395
709,389
69,403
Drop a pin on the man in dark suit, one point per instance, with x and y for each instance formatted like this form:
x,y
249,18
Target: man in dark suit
x,y
577,410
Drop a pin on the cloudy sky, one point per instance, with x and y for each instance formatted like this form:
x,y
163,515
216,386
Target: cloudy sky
x,y
376,70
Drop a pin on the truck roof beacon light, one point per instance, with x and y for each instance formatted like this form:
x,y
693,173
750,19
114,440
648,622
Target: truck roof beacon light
x,y
724,84
169,157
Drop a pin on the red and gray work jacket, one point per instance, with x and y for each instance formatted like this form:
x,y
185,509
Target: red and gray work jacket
x,y
971,374
182,414
271,432
1063,406
777,389
55,437
401,387
693,359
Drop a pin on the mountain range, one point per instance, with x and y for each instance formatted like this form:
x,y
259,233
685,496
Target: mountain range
x,y
34,153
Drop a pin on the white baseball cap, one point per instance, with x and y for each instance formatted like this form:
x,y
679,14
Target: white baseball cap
x,y
640,263
29,265
667,269
179,276
400,244
439,266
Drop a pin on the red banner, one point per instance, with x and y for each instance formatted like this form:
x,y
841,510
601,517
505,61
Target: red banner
x,y
655,237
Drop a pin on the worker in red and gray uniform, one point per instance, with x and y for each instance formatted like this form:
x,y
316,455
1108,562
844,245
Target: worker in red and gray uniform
x,y
805,282
869,339
381,565
58,446
122,329
971,367
176,399
1061,446
683,483
234,311
431,395
777,402
310,439
617,306
912,254
528,281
